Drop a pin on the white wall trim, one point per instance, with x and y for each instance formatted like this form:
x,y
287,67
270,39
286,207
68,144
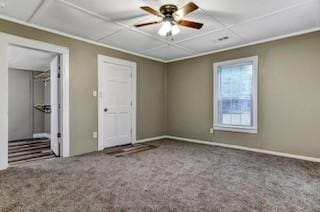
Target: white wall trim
x,y
102,59
14,20
212,143
300,157
5,41
247,44
4,135
150,139
41,135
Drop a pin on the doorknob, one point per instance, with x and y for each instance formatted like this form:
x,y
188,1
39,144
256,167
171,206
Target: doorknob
x,y
105,109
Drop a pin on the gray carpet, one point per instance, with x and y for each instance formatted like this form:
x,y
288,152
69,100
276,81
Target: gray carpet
x,y
176,176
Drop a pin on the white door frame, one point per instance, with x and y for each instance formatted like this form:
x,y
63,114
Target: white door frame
x,y
5,41
105,59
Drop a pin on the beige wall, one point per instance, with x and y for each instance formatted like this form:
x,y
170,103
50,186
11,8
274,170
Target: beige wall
x,y
20,121
176,98
289,96
83,80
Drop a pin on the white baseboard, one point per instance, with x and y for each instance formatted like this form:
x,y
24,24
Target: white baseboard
x,y
41,135
150,139
313,159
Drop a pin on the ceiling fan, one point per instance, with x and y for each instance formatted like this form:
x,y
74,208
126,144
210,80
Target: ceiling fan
x,y
171,18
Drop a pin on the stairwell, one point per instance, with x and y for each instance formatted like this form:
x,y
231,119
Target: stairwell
x,y
21,151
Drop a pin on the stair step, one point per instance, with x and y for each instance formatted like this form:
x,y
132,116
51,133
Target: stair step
x,y
20,143
29,156
28,152
31,160
28,148
28,145
28,139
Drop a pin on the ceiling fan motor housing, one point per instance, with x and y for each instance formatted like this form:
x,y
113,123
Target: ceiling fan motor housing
x,y
171,17
168,9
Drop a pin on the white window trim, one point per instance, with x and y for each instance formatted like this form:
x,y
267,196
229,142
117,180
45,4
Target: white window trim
x,y
220,127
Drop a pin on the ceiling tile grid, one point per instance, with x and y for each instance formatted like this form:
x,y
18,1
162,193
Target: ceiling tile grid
x,y
232,12
131,40
19,58
212,41
22,10
67,19
168,52
289,21
111,8
111,22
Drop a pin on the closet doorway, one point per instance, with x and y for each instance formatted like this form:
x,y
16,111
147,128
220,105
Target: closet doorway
x,y
6,42
34,99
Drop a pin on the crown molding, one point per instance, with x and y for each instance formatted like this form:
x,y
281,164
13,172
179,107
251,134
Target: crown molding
x,y
14,20
248,44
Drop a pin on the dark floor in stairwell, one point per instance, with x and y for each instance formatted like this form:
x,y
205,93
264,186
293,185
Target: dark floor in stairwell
x,y
27,150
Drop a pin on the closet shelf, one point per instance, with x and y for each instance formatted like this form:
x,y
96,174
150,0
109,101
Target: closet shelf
x,y
43,108
45,76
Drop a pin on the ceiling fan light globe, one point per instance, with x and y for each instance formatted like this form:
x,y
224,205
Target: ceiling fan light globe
x,y
165,28
175,30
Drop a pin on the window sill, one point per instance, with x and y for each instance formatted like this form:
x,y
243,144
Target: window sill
x,y
235,129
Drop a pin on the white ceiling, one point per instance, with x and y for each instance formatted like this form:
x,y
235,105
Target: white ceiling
x,y
29,59
110,22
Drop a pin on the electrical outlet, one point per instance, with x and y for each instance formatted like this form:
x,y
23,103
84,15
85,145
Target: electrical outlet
x,y
211,131
95,135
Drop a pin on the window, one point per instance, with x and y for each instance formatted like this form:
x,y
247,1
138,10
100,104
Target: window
x,y
235,95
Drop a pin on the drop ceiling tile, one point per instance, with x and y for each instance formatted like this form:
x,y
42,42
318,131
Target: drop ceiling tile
x,y
317,7
294,20
210,42
21,10
131,40
168,52
64,18
139,19
112,9
231,12
19,58
157,3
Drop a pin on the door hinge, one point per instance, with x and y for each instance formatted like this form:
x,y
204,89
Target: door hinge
x,y
131,75
59,75
59,135
131,103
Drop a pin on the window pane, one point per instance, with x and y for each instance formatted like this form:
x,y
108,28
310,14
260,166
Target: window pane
x,y
235,102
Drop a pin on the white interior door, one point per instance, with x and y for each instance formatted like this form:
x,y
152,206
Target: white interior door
x,y
54,67
116,93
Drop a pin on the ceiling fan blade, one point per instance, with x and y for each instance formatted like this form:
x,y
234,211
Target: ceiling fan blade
x,y
152,11
185,10
190,24
148,23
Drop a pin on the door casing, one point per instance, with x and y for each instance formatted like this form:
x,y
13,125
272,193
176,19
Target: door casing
x,y
5,41
105,59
